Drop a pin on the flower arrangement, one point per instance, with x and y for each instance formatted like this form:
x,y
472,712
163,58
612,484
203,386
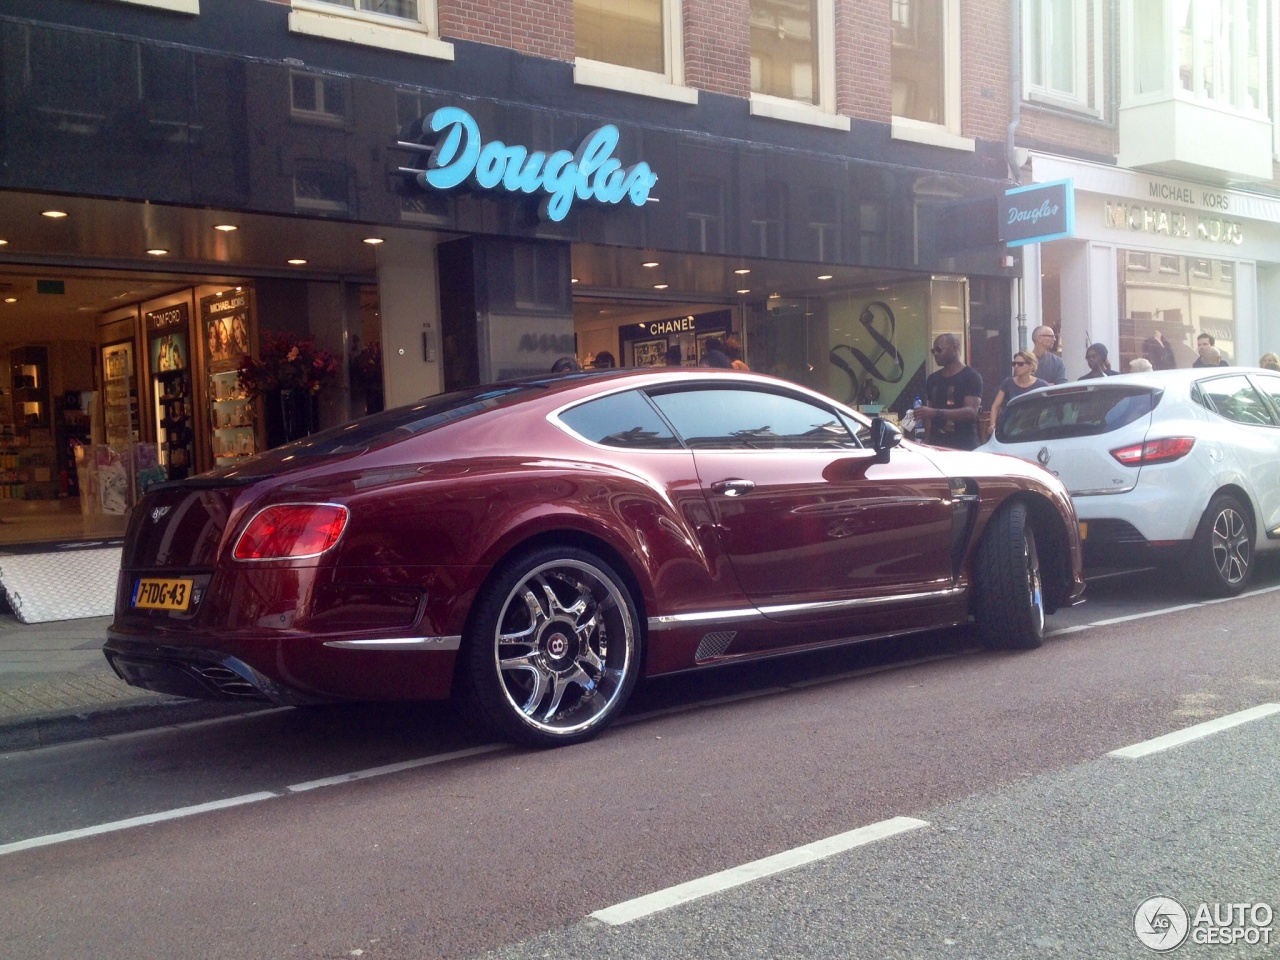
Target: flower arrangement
x,y
287,364
366,364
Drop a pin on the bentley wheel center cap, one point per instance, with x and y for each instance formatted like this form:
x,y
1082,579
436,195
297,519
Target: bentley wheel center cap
x,y
557,645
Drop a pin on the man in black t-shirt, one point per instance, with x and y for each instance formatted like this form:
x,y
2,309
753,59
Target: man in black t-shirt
x,y
953,396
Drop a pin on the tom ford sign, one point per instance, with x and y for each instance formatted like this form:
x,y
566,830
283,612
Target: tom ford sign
x,y
461,155
1042,211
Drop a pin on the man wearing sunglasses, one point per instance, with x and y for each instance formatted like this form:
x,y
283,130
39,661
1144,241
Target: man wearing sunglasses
x,y
954,394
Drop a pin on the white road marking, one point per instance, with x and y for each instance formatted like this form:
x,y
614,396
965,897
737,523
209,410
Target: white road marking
x,y
141,821
736,876
1179,737
394,768
212,805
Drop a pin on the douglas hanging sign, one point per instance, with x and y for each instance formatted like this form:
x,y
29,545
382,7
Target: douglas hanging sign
x,y
1042,211
591,173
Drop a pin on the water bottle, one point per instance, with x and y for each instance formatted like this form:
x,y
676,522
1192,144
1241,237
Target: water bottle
x,y
917,429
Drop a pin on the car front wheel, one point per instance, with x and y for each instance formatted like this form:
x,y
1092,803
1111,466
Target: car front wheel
x,y
1220,563
552,652
1008,594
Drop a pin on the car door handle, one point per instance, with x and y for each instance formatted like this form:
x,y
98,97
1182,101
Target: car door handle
x,y
733,487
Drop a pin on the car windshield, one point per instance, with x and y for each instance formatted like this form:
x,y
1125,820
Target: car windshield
x,y
1077,412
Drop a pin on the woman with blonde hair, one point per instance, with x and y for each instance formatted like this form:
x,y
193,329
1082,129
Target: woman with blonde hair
x,y
1024,380
1269,361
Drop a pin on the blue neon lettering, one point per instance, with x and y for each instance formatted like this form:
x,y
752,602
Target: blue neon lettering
x,y
590,173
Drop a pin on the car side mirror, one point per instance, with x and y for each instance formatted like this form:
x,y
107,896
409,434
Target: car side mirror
x,y
884,437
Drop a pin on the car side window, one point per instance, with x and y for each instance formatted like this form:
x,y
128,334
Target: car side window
x,y
1270,386
1236,399
621,420
718,418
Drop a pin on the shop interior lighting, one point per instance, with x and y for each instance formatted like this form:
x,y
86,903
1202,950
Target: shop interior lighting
x,y
573,279
742,271
297,261
824,276
10,299
158,252
660,286
225,227
650,263
373,241
746,290
4,243
53,214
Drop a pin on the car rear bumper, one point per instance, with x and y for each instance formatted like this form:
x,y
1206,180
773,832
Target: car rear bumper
x,y
1111,542
287,670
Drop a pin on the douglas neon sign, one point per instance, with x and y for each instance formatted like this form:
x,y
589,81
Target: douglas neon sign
x,y
591,173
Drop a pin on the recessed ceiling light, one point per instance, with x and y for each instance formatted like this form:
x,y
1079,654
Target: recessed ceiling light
x,y
53,214
4,243
573,279
744,291
660,286
649,263
824,276
225,227
742,271
158,252
297,261
10,299
373,241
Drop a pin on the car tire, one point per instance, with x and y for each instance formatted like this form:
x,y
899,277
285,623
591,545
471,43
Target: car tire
x,y
1008,596
1220,563
552,649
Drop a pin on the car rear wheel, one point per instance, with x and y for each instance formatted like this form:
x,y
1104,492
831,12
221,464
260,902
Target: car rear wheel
x,y
1008,594
552,652
1220,563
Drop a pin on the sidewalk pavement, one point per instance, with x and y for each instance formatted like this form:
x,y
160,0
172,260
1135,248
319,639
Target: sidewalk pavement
x,y
56,687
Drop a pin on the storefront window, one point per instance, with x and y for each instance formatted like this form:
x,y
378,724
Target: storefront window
x,y
1170,300
626,33
868,348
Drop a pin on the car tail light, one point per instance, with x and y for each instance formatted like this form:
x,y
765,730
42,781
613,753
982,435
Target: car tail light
x,y
290,531
1154,451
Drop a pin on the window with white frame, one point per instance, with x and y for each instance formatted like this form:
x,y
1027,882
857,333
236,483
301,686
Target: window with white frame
x,y
1205,50
1055,46
408,26
407,9
793,61
631,45
925,68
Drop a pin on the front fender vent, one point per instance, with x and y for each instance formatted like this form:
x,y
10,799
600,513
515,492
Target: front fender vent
x,y
714,644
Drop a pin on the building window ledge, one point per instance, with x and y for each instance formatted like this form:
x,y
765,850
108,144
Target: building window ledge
x,y
1063,103
776,108
350,27
173,6
608,76
931,134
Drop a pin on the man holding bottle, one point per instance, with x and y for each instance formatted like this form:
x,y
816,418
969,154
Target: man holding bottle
x,y
953,396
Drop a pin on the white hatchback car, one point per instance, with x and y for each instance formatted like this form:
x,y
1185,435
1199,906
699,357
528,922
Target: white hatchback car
x,y
1180,467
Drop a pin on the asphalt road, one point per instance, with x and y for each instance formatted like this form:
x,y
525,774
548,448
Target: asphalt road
x,y
1037,843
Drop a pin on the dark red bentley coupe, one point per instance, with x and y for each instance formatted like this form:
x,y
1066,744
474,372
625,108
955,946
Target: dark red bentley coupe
x,y
536,546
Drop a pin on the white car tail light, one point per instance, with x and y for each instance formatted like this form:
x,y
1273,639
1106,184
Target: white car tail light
x,y
1154,451
292,531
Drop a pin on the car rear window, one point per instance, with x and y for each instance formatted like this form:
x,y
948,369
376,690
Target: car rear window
x,y
621,420
1077,412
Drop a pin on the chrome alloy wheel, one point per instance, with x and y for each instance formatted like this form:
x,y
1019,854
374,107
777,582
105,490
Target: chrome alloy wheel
x,y
1231,544
564,646
1035,588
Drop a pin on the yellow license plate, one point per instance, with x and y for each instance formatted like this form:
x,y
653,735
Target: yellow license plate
x,y
152,594
1084,530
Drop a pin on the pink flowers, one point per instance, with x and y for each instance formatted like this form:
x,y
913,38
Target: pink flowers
x,y
287,363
